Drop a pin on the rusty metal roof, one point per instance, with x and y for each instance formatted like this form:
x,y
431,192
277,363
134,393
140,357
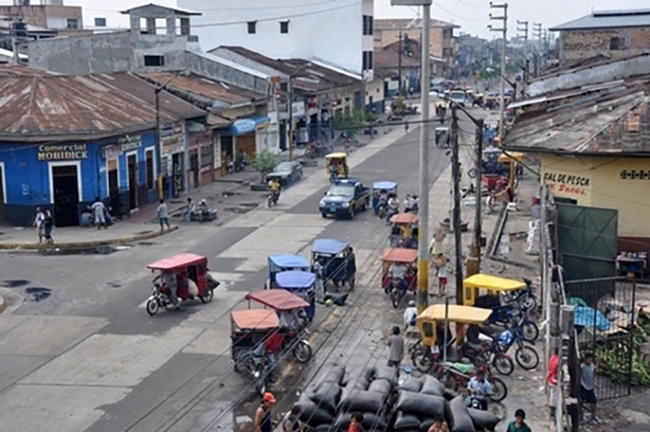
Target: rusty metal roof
x,y
63,108
389,59
145,91
409,23
16,70
217,121
609,125
205,88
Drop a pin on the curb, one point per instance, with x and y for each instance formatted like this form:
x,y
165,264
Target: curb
x,y
83,245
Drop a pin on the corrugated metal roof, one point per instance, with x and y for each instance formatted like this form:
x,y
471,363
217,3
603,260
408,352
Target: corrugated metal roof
x,y
204,88
388,58
596,127
16,70
407,23
608,19
145,91
61,108
178,11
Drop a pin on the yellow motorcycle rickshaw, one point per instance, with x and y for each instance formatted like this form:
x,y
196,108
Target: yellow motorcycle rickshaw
x,y
336,166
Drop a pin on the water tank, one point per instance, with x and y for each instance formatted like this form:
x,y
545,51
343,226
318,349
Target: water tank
x,y
19,28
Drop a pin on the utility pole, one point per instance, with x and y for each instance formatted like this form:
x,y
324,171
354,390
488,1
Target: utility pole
x,y
290,85
476,252
399,68
522,30
504,45
537,34
458,235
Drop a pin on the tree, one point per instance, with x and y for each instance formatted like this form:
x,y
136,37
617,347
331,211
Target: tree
x,y
264,163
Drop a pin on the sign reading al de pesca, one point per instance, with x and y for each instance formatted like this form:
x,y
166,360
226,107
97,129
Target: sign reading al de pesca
x,y
567,183
59,152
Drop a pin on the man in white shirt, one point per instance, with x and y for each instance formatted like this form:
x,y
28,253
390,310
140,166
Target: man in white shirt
x,y
410,316
397,273
38,223
320,282
98,209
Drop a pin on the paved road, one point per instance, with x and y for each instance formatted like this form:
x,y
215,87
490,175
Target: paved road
x,y
82,354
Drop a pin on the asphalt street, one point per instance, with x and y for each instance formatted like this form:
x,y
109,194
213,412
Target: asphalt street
x,y
82,353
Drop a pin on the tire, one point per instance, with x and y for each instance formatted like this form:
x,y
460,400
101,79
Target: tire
x,y
504,365
351,212
526,357
152,307
302,352
500,389
269,201
309,153
472,173
260,386
529,304
207,298
323,215
422,361
396,298
529,331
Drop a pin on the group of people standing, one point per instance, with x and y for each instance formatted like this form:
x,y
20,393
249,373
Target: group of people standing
x,y
44,223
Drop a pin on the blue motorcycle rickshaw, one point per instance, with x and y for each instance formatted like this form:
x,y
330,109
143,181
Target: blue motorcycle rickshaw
x,y
300,283
339,264
380,188
282,263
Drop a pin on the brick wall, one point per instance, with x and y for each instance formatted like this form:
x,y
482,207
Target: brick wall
x,y
584,44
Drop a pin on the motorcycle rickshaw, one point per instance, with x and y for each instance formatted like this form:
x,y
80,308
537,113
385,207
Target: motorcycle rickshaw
x,y
336,166
433,323
300,283
404,231
441,110
405,258
192,280
248,331
339,266
284,262
484,290
381,190
442,136
289,310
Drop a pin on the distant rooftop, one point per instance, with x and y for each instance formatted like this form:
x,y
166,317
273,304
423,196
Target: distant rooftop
x,y
406,23
608,19
178,11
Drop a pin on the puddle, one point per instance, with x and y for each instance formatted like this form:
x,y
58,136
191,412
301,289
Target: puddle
x,y
249,204
114,285
145,243
14,283
37,294
239,210
229,194
144,232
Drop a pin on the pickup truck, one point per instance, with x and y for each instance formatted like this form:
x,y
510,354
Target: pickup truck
x,y
345,198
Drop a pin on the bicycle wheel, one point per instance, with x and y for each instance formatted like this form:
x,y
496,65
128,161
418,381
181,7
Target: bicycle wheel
x,y
526,357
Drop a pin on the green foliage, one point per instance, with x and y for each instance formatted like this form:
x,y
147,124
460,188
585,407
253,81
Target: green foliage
x,y
264,162
352,122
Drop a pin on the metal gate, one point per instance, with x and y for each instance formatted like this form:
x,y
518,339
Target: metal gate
x,y
604,317
587,242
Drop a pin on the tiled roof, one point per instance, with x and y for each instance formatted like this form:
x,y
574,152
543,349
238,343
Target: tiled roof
x,y
608,20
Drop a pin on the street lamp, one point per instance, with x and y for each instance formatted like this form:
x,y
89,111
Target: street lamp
x,y
292,75
157,89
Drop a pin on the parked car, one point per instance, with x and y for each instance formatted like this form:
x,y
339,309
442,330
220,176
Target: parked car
x,y
286,172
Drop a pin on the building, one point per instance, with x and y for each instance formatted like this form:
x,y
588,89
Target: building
x,y
46,19
89,140
611,33
317,91
389,31
305,32
472,56
407,67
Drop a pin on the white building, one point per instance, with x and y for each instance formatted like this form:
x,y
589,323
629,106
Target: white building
x,y
339,32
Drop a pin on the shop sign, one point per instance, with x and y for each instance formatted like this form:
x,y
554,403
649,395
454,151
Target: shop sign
x,y
112,151
568,183
130,142
57,152
172,139
298,108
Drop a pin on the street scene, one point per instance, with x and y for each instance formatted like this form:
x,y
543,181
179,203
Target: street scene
x,y
253,221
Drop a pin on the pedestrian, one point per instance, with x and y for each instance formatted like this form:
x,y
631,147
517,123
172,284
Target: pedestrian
x,y
48,225
443,271
410,316
551,381
439,424
186,214
587,377
406,126
356,423
99,211
38,223
480,390
163,215
263,416
291,422
436,245
518,424
319,271
395,348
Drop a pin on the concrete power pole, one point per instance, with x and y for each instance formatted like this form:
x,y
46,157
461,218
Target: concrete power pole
x,y
455,219
423,242
522,30
504,45
537,34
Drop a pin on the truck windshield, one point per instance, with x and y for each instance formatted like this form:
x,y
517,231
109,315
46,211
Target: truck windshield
x,y
341,191
457,96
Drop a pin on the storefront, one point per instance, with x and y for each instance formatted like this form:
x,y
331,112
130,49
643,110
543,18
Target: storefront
x,y
201,155
67,177
172,140
241,137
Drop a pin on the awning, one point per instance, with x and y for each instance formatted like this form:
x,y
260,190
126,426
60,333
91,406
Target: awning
x,y
247,125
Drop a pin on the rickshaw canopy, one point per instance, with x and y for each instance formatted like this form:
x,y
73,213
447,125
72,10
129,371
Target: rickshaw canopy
x,y
286,261
255,319
399,255
455,313
278,299
338,155
295,279
384,185
329,246
176,261
404,218
493,283
507,158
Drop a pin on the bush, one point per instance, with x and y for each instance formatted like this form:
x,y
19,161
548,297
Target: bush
x,y
264,162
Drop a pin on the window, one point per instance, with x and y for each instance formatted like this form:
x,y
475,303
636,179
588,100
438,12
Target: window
x,y
252,27
154,61
151,184
100,22
367,60
616,43
368,25
284,86
447,33
72,23
284,27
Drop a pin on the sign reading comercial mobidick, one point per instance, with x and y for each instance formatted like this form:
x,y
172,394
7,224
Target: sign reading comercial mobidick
x,y
60,152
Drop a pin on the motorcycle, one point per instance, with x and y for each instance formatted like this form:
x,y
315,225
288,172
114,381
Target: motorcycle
x,y
525,297
508,316
526,356
382,210
317,149
161,294
490,353
458,375
273,198
390,212
256,366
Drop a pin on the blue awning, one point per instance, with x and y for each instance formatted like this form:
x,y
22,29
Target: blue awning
x,y
247,125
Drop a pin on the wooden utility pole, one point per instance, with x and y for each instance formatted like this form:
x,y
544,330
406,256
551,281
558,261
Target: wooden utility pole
x,y
456,222
399,67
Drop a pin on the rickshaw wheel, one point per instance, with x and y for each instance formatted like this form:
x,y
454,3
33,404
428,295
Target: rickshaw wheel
x,y
207,298
396,297
152,307
302,352
261,386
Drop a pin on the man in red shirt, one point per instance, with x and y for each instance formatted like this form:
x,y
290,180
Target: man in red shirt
x,y
272,345
551,380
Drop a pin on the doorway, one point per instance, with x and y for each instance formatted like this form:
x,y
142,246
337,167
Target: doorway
x,y
195,168
132,164
114,187
2,193
65,187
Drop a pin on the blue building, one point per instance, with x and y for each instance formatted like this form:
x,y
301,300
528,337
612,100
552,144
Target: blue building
x,y
65,140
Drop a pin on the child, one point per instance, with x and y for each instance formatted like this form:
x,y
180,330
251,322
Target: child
x,y
443,265
518,424
355,423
